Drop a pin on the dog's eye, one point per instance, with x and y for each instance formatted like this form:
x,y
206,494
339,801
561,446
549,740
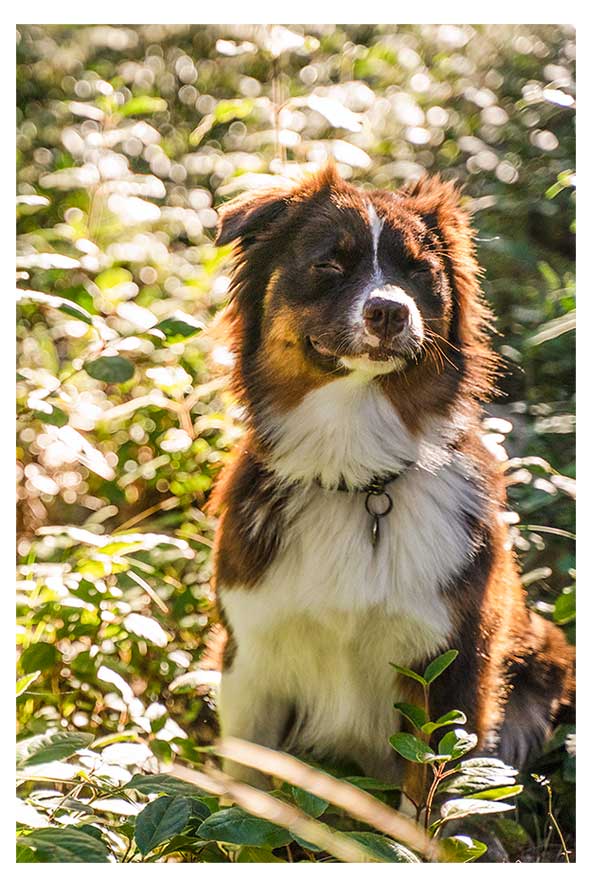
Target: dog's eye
x,y
420,271
328,267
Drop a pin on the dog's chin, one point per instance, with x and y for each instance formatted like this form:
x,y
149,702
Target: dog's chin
x,y
367,364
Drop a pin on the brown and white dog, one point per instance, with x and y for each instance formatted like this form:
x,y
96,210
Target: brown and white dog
x,y
362,360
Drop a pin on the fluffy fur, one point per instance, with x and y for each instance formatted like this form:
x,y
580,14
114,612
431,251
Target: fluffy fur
x,y
361,344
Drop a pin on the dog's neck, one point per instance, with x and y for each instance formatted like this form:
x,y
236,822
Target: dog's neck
x,y
348,431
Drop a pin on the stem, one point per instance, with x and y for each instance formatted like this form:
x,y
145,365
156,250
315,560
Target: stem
x,y
556,825
437,773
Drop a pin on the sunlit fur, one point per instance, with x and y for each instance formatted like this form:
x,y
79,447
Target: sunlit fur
x,y
314,613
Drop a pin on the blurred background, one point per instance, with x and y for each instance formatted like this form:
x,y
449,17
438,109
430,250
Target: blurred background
x,y
128,139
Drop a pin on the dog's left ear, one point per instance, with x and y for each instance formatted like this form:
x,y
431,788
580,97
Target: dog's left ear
x,y
439,204
247,218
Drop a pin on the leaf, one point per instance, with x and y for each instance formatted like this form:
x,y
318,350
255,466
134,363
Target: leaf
x,y
162,784
51,746
479,773
24,682
177,329
142,104
38,657
310,804
439,665
234,825
456,743
54,416
112,370
461,849
55,301
365,783
497,793
565,608
383,848
416,715
445,720
67,845
253,855
162,818
464,806
410,747
406,672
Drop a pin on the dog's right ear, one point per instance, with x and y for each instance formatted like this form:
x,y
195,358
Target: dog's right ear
x,y
248,217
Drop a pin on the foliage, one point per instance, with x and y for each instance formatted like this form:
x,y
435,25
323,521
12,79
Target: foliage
x,y
128,137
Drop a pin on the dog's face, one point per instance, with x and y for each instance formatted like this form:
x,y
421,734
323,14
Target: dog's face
x,y
332,279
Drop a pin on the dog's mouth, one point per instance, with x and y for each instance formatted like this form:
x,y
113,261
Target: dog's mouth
x,y
382,357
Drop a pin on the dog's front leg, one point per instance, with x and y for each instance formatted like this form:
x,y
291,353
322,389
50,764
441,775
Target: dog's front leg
x,y
250,708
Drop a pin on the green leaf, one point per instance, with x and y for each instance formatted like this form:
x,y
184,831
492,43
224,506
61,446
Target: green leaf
x,y
416,715
310,804
464,806
113,370
457,742
234,825
439,665
163,784
38,657
565,608
383,848
55,301
175,329
497,793
445,720
365,783
65,846
162,818
253,855
54,416
142,104
50,746
461,849
478,774
406,672
23,684
410,747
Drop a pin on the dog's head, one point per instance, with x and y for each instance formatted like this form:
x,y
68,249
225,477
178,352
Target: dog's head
x,y
332,279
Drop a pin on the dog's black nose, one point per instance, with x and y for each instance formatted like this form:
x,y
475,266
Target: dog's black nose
x,y
385,317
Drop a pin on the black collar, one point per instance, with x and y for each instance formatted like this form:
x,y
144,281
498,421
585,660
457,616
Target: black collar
x,y
376,485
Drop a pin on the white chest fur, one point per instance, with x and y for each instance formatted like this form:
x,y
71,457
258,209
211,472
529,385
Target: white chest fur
x,y
331,612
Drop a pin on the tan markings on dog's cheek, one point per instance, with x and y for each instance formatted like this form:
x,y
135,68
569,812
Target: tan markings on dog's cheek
x,y
283,361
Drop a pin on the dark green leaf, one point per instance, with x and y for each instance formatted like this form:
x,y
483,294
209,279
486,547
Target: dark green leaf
x,y
445,720
159,820
49,747
364,783
38,657
234,825
439,665
383,848
456,743
461,849
66,846
110,369
253,855
310,804
163,784
175,329
54,416
416,715
410,747
406,672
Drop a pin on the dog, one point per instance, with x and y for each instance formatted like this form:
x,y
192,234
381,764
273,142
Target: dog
x,y
361,520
